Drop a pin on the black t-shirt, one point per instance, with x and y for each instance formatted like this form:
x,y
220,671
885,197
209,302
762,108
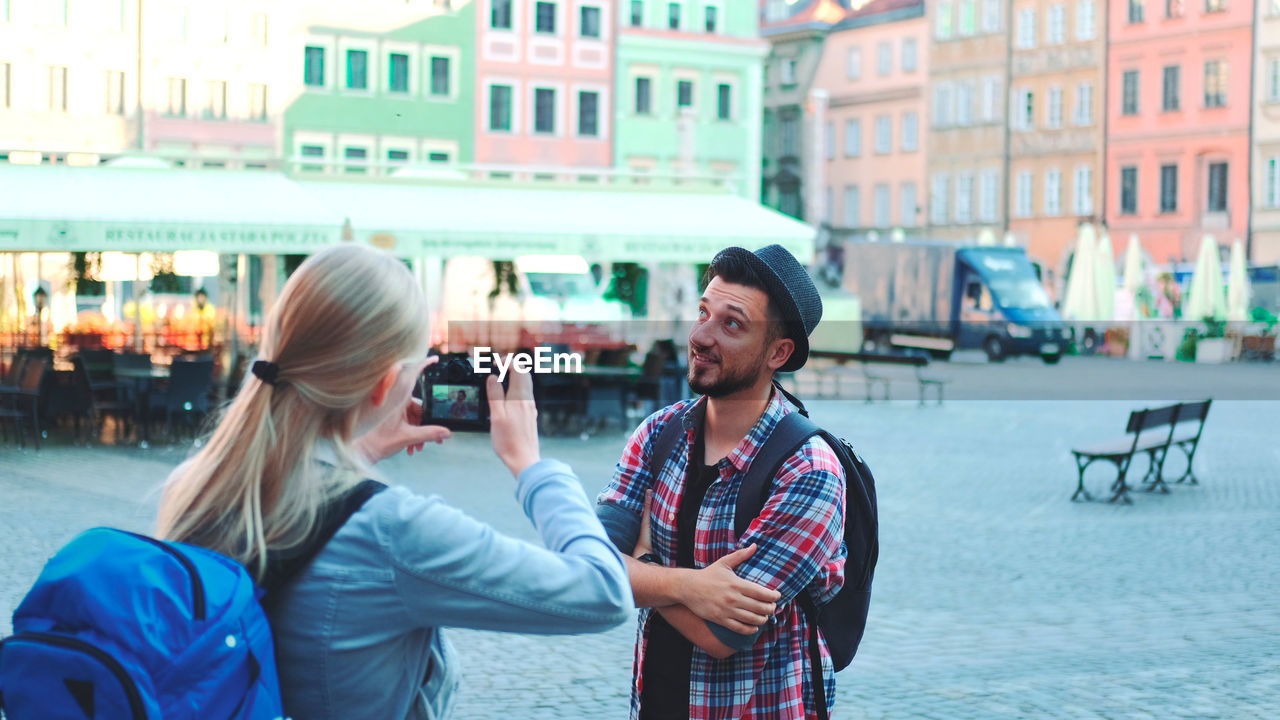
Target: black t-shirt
x,y
668,655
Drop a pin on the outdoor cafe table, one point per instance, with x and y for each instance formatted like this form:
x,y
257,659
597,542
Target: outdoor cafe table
x,y
143,379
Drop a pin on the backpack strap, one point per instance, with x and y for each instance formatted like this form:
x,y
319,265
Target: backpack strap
x,y
668,436
791,432
282,569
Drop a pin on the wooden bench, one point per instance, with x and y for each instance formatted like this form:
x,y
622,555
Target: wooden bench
x,y
882,369
1153,431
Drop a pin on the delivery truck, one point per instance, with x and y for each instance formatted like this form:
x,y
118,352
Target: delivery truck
x,y
940,297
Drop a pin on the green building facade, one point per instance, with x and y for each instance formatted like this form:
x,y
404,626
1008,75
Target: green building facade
x,y
688,91
369,100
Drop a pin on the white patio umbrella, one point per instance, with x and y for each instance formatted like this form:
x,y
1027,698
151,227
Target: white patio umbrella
x,y
1133,274
1080,301
986,238
1010,240
1104,269
1238,289
1205,298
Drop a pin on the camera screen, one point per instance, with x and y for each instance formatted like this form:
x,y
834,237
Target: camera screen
x,y
455,402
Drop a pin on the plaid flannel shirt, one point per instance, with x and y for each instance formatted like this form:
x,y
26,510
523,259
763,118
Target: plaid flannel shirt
x,y
799,537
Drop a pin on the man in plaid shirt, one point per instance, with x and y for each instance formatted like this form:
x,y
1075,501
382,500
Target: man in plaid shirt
x,y
721,635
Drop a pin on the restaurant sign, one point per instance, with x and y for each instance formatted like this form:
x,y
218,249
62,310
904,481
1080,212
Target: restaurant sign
x,y
34,236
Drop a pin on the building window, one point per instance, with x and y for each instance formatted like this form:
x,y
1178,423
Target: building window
x,y
1085,20
257,101
1168,188
500,14
544,110
399,80
588,114
1136,11
1128,190
438,157
637,13
1217,187
500,108
115,90
882,205
992,98
1022,194
397,157
1173,8
968,18
1215,84
177,100
884,134
1027,28
1273,183
545,18
355,159
1211,6
965,95
790,137
313,71
910,59
312,151
987,193
1129,100
990,16
724,102
910,132
884,58
1056,32
1083,190
853,63
1084,104
852,206
942,105
440,76
829,141
259,29
938,199
217,105
712,18
1053,193
1025,109
1055,107
1172,83
964,198
907,202
644,91
358,69
6,77
942,22
1273,79
853,138
789,71
673,16
589,22
684,94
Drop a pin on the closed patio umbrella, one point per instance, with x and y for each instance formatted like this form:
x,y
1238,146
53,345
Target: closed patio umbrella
x,y
1238,289
1133,274
1105,278
1206,298
1080,302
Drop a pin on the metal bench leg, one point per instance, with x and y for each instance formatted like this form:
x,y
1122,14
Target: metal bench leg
x,y
1189,476
1120,489
1152,480
1080,466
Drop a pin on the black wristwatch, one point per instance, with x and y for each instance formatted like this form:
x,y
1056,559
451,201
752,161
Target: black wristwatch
x,y
649,558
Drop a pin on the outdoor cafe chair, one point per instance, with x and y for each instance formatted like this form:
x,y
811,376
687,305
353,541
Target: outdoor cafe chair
x,y
187,394
22,404
101,400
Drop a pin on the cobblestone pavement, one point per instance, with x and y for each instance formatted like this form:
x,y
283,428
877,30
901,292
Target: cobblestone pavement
x,y
995,597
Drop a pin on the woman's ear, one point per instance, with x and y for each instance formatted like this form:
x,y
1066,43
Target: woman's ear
x,y
383,388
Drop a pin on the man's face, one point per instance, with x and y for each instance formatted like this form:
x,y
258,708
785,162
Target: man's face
x,y
729,347
201,299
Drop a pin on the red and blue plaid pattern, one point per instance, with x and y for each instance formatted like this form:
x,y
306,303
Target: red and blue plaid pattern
x,y
799,538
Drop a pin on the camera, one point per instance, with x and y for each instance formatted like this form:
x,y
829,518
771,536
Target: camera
x,y
453,394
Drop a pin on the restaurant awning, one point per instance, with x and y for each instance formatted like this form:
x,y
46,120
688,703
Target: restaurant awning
x,y
601,223
132,209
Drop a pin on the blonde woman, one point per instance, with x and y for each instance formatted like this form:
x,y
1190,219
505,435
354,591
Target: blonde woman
x,y
358,632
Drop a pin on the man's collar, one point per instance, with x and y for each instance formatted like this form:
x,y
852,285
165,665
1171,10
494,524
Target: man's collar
x,y
740,457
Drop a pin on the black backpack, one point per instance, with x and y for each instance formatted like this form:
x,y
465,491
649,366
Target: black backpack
x,y
844,618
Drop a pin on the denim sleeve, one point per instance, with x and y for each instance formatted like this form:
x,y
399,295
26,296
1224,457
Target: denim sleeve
x,y
452,570
737,641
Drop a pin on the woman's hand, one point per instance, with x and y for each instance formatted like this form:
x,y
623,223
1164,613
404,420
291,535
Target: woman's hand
x,y
513,421
400,431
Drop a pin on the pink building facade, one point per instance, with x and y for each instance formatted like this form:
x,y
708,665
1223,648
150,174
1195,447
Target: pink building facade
x,y
544,83
874,71
1178,113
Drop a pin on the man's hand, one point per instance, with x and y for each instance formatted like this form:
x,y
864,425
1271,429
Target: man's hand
x,y
716,593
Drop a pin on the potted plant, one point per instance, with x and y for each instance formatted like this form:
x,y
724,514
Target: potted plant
x,y
1213,346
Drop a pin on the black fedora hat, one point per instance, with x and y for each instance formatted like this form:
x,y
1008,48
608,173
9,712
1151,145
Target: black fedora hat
x,y
792,290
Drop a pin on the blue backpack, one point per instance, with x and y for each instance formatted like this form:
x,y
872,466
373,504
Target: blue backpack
x,y
120,625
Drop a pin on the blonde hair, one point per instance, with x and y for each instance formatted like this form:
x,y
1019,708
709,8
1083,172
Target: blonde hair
x,y
346,317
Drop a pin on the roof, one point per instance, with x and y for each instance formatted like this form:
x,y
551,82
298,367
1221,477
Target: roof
x,y
602,223
57,207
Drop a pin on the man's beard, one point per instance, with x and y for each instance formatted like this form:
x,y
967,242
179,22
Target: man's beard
x,y
730,381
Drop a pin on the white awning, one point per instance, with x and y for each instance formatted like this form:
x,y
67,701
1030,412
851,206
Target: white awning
x,y
600,223
61,208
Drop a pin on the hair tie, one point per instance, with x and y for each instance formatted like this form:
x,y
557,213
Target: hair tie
x,y
267,371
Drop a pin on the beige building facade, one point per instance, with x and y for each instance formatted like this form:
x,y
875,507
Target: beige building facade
x,y
967,139
1056,126
1265,244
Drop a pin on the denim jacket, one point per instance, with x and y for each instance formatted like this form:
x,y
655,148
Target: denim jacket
x,y
360,632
